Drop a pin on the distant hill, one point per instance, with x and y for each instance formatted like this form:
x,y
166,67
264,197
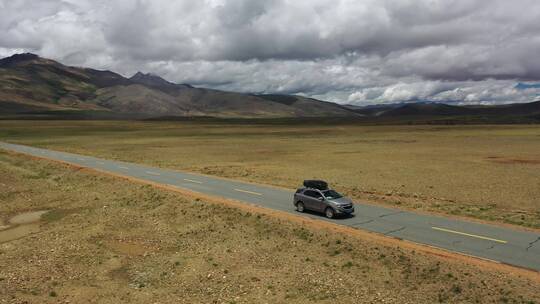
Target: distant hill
x,y
530,108
427,109
156,82
32,85
516,112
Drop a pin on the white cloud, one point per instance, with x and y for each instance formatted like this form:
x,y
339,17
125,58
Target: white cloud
x,y
341,50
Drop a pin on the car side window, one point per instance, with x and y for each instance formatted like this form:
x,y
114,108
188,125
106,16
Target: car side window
x,y
312,193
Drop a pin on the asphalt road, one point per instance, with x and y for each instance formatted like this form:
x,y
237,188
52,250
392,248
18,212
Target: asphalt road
x,y
500,244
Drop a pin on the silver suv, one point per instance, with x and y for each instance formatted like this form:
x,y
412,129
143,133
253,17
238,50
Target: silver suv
x,y
316,196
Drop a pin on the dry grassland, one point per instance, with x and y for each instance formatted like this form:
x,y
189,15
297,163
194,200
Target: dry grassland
x,y
108,240
486,172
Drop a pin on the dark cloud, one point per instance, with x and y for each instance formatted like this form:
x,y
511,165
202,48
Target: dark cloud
x,y
341,50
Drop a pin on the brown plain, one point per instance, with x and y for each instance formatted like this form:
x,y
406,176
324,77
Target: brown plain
x,y
484,172
110,240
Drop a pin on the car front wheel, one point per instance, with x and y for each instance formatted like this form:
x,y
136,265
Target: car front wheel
x,y
300,207
329,212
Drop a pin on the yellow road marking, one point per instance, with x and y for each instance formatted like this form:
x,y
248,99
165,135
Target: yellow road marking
x,y
471,235
123,167
152,173
245,191
193,181
101,163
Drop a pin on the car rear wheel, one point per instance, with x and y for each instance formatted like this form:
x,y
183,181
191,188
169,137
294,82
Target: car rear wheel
x,y
329,212
300,207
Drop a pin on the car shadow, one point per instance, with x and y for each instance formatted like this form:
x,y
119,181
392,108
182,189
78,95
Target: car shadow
x,y
337,217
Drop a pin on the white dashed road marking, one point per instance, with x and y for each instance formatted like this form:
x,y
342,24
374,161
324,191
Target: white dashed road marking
x,y
469,235
192,181
250,192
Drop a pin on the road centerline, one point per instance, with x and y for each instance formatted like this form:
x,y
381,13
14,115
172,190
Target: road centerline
x,y
123,167
469,235
152,173
249,192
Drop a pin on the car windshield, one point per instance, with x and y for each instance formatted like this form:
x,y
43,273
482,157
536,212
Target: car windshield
x,y
331,194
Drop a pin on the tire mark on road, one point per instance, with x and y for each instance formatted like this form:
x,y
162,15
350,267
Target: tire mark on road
x,y
531,244
395,230
393,213
362,223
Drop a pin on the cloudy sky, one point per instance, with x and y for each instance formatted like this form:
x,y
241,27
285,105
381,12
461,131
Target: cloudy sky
x,y
347,51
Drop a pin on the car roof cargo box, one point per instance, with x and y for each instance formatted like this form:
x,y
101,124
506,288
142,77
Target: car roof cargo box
x,y
317,184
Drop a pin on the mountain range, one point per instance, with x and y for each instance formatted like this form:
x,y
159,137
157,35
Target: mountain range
x,y
30,84
36,87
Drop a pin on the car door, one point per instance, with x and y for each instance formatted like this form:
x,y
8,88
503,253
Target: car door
x,y
319,201
313,200
309,199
